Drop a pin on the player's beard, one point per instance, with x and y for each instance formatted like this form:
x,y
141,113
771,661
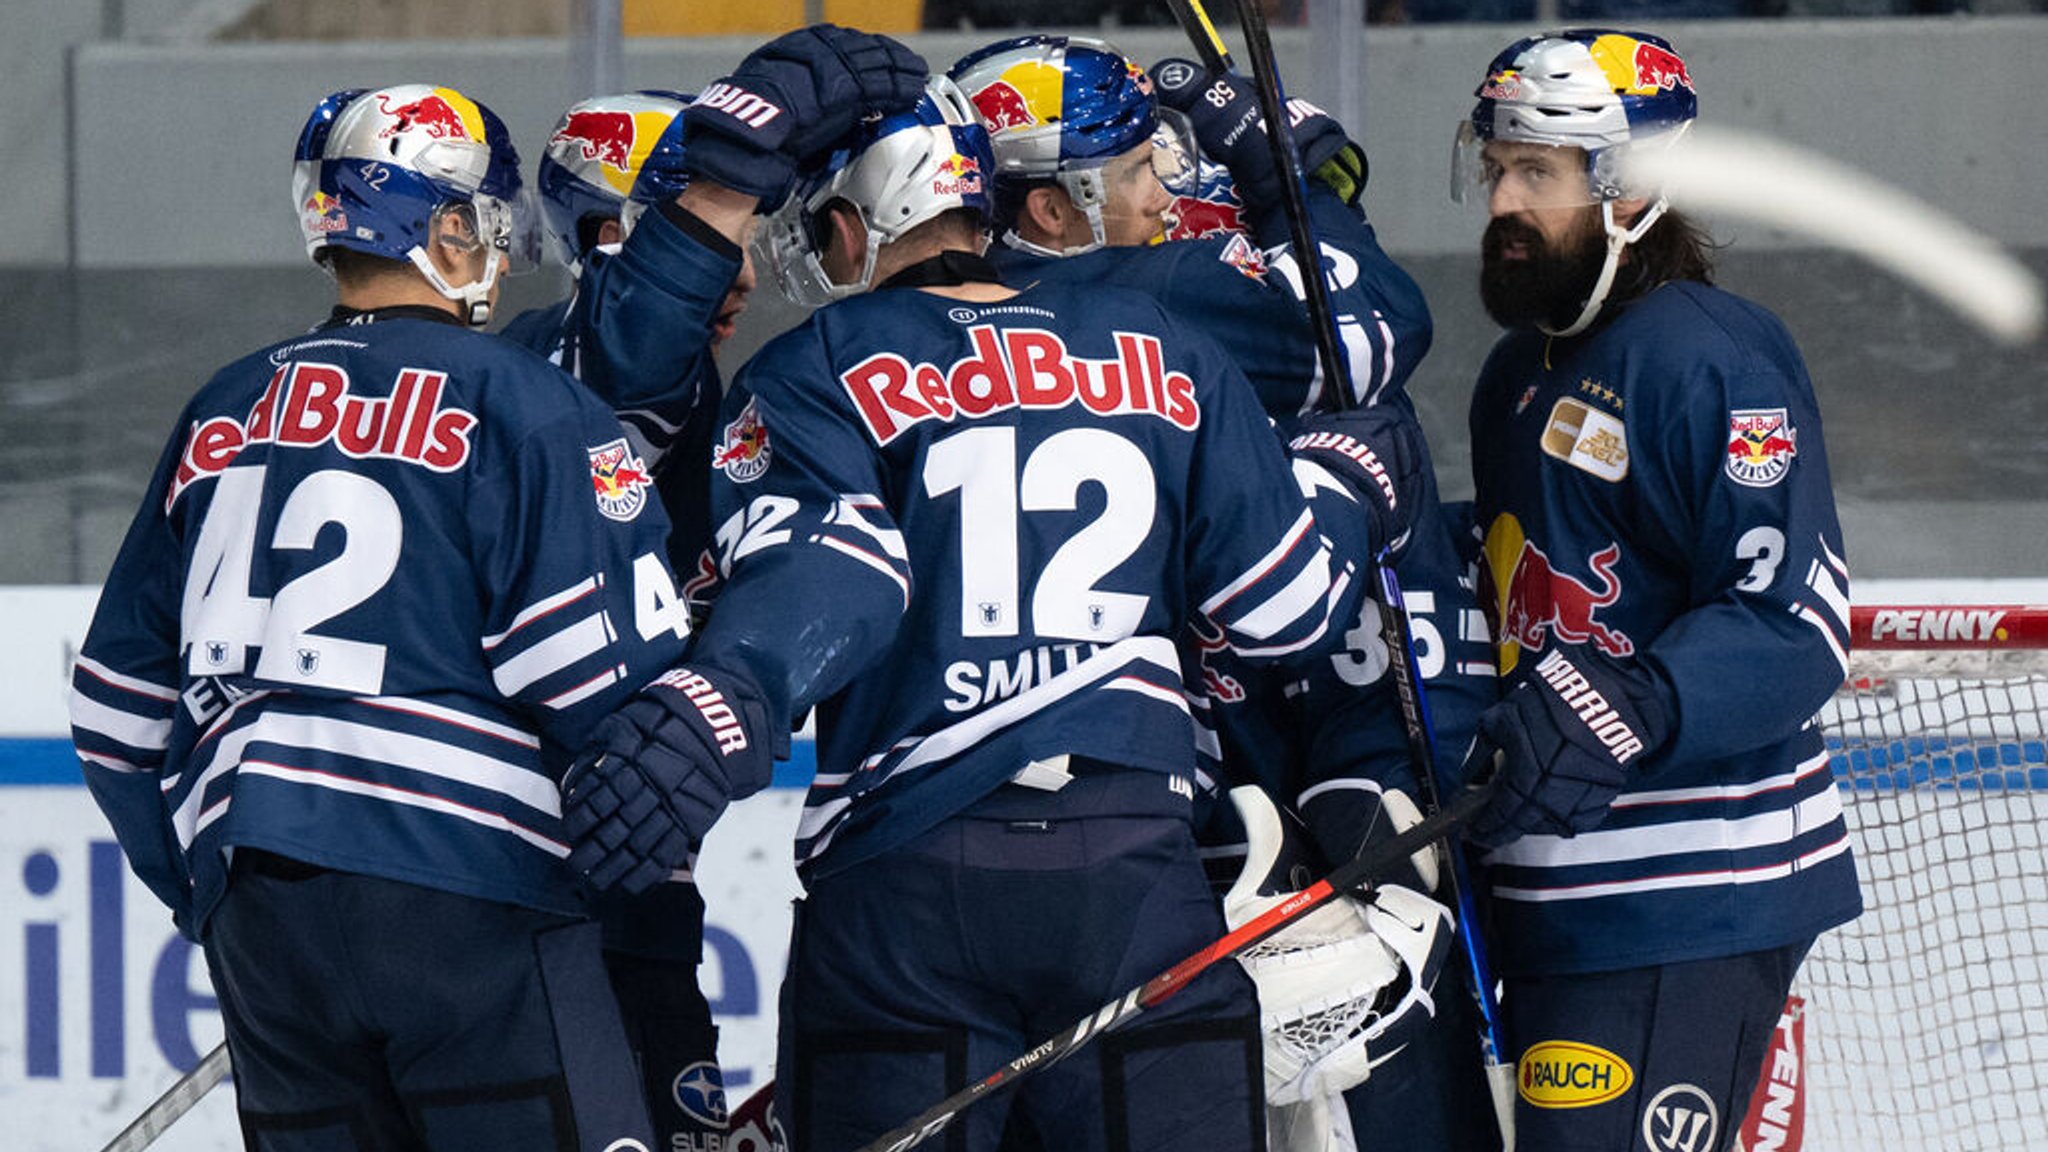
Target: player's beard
x,y
1548,285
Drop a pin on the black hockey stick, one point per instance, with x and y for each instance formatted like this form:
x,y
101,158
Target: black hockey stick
x,y
1308,254
1354,874
177,1100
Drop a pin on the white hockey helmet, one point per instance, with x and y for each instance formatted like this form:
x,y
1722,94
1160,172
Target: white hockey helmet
x,y
608,157
374,168
904,170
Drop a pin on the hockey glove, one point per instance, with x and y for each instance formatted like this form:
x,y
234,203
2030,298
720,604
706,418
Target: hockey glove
x,y
1378,456
657,774
1223,109
1344,988
791,101
1352,816
1567,735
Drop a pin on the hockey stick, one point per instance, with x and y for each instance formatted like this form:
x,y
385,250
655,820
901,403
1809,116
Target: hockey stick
x,y
177,1100
1500,1074
1308,254
1118,1012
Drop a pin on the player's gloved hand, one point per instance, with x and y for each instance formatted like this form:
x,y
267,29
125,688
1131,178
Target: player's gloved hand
x,y
1377,454
659,771
794,99
1567,734
1223,109
1346,821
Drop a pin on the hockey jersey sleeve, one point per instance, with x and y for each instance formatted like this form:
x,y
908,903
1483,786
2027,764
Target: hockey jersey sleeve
x,y
125,695
816,576
638,333
571,554
1261,571
1758,532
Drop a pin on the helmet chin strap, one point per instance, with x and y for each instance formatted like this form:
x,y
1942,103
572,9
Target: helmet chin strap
x,y
475,297
1617,239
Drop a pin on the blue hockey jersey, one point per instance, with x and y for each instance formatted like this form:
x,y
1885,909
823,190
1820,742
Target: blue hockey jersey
x,y
637,332
1658,488
385,579
973,532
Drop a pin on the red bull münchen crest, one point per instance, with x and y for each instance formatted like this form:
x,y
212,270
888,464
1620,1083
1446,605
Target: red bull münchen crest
x,y
619,479
742,451
1761,445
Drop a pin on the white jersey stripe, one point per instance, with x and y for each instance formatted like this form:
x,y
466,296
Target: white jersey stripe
x,y
542,607
1738,792
454,716
407,797
1147,688
119,725
1708,879
871,560
580,640
1828,634
1621,845
1296,601
1266,564
107,675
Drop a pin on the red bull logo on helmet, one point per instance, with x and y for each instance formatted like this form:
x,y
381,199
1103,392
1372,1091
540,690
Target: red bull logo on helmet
x,y
1761,446
959,175
1639,68
1023,96
611,145
619,479
742,451
323,213
1530,599
442,113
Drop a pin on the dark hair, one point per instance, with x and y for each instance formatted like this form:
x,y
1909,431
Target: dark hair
x,y
352,267
1675,248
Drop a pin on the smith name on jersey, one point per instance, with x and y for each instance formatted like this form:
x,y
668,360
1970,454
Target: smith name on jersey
x,y
972,531
1657,489
386,576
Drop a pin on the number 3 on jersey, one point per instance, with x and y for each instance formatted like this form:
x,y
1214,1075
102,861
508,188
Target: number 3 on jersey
x,y
981,465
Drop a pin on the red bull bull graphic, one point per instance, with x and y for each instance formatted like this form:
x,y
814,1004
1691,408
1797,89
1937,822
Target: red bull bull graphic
x,y
958,176
1023,96
1212,209
1531,600
1638,68
742,451
619,479
1761,446
323,213
611,146
442,113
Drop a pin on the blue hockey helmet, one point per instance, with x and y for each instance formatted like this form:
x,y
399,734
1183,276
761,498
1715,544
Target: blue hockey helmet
x,y
374,168
1058,108
1595,89
606,154
902,171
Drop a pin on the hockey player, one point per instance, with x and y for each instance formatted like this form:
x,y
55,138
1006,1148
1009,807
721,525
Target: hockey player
x,y
1671,610
1073,124
966,521
386,575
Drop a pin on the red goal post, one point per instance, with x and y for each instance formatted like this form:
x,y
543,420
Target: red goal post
x,y
1926,1020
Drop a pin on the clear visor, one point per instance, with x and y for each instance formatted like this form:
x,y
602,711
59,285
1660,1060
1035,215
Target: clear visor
x,y
1517,176
1174,153
512,227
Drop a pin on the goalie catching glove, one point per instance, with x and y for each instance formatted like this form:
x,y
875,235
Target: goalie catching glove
x,y
1566,736
1344,988
659,771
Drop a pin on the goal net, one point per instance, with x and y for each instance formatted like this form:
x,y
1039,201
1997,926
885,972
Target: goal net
x,y
1926,1021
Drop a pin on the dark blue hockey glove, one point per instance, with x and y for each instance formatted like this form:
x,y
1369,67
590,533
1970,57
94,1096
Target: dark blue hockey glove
x,y
1567,733
1223,109
659,771
792,100
1379,456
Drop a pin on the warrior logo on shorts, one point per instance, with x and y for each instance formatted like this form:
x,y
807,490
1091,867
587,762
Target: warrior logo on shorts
x,y
742,452
1761,445
619,479
1681,1118
700,1092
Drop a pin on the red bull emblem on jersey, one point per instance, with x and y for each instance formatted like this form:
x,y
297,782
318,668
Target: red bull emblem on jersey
x,y
1638,68
742,452
1532,600
1025,95
1019,368
619,479
1761,446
